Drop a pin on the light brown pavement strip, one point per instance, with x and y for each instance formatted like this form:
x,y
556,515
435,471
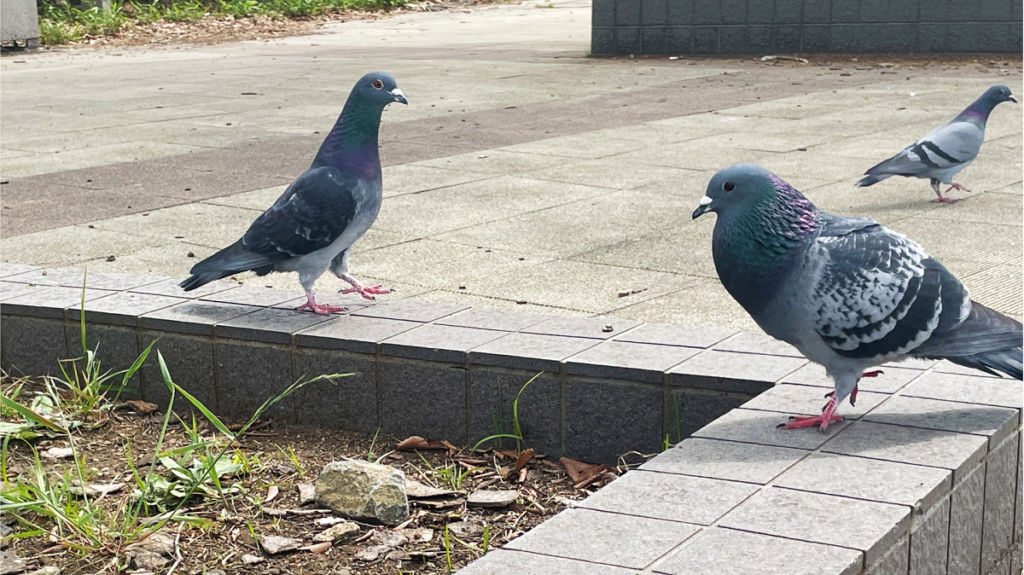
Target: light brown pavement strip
x,y
522,171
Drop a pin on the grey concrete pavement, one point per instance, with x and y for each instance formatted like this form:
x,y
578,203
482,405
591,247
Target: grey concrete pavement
x,y
521,172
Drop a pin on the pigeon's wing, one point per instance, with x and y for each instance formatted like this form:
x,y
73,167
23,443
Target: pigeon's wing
x,y
309,216
945,147
879,295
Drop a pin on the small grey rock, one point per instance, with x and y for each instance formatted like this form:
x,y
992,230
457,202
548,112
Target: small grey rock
x,y
251,559
336,532
10,563
274,544
148,560
464,529
307,493
364,491
495,498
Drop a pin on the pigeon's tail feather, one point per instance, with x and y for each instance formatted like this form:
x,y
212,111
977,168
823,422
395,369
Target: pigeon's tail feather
x,y
229,261
987,340
870,180
1007,361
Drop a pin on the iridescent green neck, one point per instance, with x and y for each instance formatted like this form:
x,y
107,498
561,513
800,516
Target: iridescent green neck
x,y
352,143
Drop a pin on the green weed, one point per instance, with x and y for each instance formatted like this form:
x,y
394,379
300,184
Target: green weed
x,y
517,430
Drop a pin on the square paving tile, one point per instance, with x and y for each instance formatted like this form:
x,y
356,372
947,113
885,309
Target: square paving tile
x,y
434,342
193,317
253,295
959,452
11,290
668,334
529,351
807,400
719,551
9,269
672,497
121,308
875,480
631,361
50,301
411,310
1002,392
725,460
352,333
492,319
993,422
890,381
729,371
610,538
269,325
761,427
865,525
170,287
503,562
590,327
747,342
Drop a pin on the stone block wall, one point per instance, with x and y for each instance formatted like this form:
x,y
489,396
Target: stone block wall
x,y
622,27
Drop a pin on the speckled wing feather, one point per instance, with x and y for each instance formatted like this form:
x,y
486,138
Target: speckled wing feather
x,y
879,294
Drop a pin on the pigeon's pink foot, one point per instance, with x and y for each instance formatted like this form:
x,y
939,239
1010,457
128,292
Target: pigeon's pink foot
x,y
320,308
367,291
956,186
827,416
945,200
853,394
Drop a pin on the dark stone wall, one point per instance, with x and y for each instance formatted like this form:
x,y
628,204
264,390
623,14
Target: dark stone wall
x,y
622,27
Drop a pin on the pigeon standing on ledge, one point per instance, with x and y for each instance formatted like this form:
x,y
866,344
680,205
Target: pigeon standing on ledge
x,y
311,227
946,150
846,292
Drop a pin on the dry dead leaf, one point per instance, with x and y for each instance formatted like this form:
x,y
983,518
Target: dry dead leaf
x,y
417,442
142,407
523,459
272,492
317,547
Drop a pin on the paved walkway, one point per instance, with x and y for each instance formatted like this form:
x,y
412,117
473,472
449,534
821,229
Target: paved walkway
x,y
522,176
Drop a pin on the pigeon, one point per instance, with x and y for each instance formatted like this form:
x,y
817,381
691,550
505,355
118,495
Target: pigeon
x,y
846,292
946,150
314,223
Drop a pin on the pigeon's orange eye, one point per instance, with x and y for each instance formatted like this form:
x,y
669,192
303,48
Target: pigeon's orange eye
x,y
378,84
728,186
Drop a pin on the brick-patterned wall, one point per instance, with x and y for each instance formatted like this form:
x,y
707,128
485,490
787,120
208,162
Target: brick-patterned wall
x,y
804,26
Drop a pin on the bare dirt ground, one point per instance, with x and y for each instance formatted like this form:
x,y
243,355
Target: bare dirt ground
x,y
115,447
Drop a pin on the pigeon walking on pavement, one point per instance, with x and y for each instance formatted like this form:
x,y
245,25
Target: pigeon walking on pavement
x,y
946,150
847,292
314,223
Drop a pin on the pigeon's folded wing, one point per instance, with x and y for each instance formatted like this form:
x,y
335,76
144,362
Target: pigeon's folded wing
x,y
879,294
945,147
312,213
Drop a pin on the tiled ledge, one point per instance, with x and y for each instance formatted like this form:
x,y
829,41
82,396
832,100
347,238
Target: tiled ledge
x,y
433,369
925,479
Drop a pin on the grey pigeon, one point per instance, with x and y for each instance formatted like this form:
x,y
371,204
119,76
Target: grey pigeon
x,y
946,150
311,227
847,292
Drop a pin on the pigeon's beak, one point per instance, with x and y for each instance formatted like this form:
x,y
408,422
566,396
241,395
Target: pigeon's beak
x,y
399,96
703,208
1012,99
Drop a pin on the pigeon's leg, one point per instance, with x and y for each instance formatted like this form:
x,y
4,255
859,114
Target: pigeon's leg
x,y
941,199
319,308
853,394
844,387
340,268
307,280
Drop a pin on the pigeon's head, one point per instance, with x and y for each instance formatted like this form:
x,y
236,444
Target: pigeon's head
x,y
734,188
378,88
998,95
